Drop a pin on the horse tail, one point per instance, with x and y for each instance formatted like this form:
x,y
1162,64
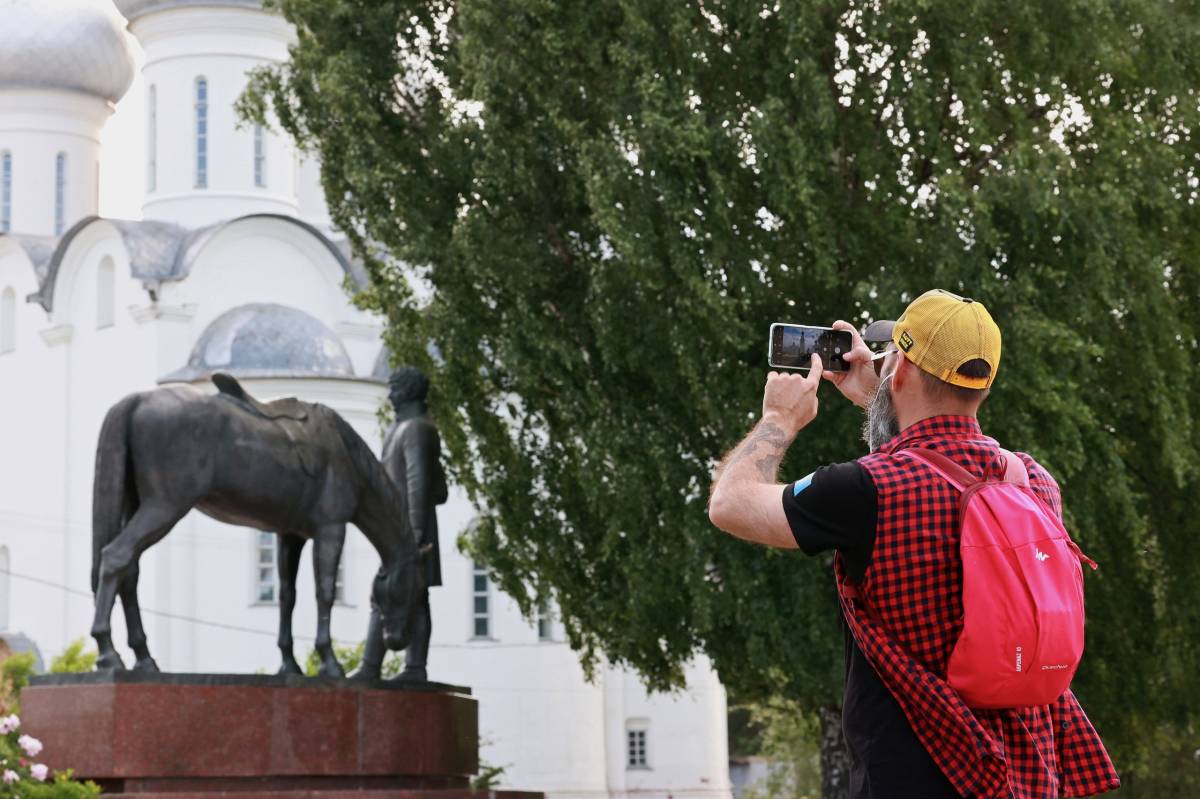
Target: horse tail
x,y
114,493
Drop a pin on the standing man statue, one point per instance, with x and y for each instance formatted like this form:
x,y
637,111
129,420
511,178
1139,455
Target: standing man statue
x,y
412,458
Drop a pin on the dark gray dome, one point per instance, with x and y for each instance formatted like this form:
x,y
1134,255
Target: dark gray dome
x,y
266,340
78,45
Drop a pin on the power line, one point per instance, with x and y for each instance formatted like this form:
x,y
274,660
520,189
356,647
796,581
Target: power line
x,y
236,628
150,611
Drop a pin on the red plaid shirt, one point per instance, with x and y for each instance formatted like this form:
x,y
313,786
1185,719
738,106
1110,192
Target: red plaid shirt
x,y
906,616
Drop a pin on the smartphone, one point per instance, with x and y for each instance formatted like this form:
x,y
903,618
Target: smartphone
x,y
792,347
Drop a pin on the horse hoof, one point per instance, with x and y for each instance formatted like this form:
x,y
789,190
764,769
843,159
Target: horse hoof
x,y
290,667
146,665
364,674
110,662
412,677
335,671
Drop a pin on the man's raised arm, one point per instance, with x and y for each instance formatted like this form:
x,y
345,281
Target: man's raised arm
x,y
747,499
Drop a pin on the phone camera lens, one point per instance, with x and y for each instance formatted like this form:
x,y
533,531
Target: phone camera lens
x,y
837,350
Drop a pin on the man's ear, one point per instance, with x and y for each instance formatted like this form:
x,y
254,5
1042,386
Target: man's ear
x,y
902,373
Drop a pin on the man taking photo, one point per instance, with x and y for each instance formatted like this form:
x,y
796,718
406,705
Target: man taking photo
x,y
894,522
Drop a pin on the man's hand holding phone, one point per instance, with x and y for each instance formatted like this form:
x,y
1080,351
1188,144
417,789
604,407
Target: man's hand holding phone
x,y
857,384
790,400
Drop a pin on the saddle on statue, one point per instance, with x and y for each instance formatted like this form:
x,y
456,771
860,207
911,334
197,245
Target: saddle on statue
x,y
290,414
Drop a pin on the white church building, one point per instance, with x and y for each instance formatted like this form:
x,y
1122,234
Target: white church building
x,y
234,266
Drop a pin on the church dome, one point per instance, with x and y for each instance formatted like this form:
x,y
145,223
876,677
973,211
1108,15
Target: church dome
x,y
78,45
266,340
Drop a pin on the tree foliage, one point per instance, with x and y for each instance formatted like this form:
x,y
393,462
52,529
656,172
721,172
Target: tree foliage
x,y
582,217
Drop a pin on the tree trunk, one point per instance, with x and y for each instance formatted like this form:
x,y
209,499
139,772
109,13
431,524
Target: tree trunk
x,y
835,758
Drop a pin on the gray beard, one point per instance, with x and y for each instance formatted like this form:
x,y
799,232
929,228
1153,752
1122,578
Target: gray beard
x,y
881,424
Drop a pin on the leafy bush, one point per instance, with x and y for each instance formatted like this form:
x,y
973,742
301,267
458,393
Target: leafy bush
x,y
73,660
488,777
15,672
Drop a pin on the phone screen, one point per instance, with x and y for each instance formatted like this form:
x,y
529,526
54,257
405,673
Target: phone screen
x,y
792,347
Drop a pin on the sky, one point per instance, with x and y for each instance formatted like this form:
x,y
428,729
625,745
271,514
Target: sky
x,y
122,143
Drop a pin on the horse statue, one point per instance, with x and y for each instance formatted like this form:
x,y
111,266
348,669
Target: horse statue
x,y
293,468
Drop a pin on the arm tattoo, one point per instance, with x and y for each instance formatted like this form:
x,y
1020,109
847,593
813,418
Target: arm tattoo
x,y
769,439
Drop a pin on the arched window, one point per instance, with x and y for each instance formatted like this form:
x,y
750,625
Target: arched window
x,y
152,139
201,133
5,191
106,299
260,158
60,192
8,320
4,588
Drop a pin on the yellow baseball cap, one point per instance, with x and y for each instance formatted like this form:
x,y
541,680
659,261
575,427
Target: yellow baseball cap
x,y
939,332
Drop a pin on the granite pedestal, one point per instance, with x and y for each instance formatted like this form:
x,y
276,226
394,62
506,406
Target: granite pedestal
x,y
187,736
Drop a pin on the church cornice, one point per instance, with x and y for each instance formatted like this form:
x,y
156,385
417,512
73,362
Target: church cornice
x,y
163,251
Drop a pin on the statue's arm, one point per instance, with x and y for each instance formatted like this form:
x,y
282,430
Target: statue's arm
x,y
441,491
421,459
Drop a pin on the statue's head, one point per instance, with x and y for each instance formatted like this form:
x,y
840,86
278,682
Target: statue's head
x,y
395,593
407,384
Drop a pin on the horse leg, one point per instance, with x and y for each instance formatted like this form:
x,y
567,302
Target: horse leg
x,y
127,589
327,551
288,553
148,525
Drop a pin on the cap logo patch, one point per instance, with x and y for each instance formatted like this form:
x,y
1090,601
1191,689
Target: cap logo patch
x,y
906,342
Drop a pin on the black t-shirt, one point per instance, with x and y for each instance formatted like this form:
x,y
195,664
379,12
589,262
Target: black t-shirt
x,y
834,508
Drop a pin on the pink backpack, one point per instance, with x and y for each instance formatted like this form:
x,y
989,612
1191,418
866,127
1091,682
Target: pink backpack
x,y
1022,591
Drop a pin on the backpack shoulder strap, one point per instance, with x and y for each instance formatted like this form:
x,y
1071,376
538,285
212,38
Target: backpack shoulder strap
x,y
1015,471
959,477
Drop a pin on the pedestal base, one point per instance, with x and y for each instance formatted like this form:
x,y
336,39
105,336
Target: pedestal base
x,y
188,736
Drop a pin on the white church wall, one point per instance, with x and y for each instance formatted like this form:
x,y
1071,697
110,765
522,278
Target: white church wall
x,y
538,717
680,747
313,208
37,126
31,448
220,45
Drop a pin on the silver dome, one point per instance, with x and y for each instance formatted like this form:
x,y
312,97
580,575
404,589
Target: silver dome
x,y
79,45
132,9
266,340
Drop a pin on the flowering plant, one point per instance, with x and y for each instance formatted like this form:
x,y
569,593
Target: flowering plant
x,y
22,777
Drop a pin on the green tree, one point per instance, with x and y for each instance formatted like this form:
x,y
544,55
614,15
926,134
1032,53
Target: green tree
x,y
580,218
